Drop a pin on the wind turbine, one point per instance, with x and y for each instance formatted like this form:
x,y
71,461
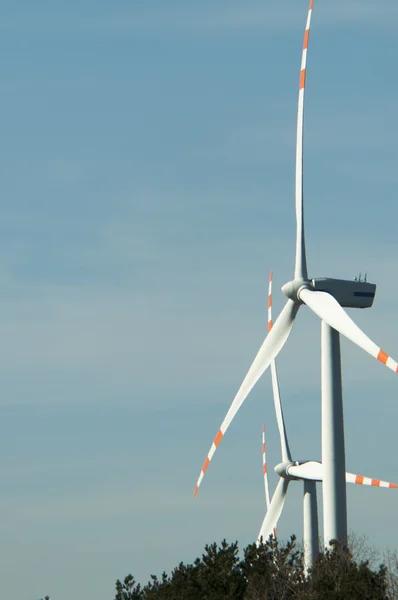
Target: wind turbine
x,y
325,297
308,471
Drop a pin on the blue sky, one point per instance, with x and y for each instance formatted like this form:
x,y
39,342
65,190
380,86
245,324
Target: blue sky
x,y
147,172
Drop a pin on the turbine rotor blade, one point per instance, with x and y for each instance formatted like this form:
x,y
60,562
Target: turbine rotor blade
x,y
300,271
265,471
329,310
360,480
286,456
285,450
271,347
274,511
311,470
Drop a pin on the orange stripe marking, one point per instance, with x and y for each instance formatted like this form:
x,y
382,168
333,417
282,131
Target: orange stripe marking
x,y
382,357
311,4
270,276
263,448
375,482
265,469
218,438
270,324
306,38
206,464
302,79
392,485
269,300
196,491
359,479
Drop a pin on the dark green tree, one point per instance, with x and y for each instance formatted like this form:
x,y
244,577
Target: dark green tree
x,y
220,576
181,585
270,571
273,571
337,576
128,590
215,576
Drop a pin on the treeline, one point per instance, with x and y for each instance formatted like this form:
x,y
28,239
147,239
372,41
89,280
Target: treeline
x,y
271,571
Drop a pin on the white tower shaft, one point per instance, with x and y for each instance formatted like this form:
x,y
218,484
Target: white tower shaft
x,y
333,451
311,533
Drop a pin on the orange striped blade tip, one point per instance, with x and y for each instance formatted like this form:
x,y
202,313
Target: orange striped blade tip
x,y
216,443
302,79
218,438
206,464
305,47
384,358
360,480
306,38
270,283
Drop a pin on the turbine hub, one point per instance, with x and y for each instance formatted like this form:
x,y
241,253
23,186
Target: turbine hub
x,y
283,470
292,289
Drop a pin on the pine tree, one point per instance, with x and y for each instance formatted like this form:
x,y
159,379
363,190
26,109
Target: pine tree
x,y
270,571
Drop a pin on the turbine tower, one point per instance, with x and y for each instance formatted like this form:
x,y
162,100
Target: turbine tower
x,y
308,471
326,298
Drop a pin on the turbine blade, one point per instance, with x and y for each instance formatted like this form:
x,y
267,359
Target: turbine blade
x,y
300,271
329,310
286,456
270,324
265,471
311,470
274,512
360,480
271,347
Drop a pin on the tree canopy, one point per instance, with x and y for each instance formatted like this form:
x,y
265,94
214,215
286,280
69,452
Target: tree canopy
x,y
270,571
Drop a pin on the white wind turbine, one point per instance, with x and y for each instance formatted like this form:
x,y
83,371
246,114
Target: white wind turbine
x,y
308,471
326,298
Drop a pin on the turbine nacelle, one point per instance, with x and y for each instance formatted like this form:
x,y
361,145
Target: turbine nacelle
x,y
350,294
